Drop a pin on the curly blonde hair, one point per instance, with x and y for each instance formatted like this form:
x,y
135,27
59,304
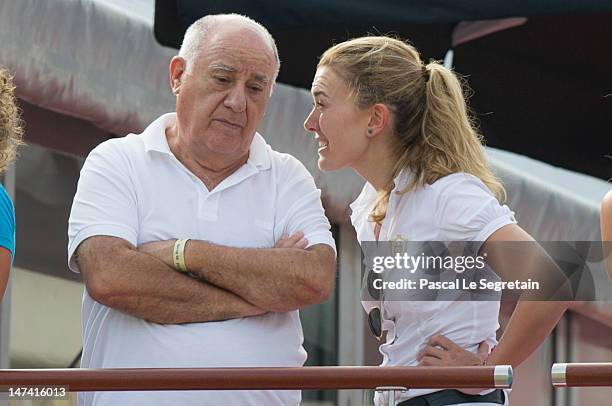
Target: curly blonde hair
x,y
11,130
434,135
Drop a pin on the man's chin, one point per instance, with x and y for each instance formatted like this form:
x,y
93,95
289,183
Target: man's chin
x,y
228,146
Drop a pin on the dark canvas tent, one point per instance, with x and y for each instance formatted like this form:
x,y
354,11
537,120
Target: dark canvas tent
x,y
541,85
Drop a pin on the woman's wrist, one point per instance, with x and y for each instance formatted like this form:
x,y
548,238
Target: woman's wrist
x,y
488,360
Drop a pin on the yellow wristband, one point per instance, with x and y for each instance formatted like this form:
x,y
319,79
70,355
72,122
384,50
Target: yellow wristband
x,y
178,256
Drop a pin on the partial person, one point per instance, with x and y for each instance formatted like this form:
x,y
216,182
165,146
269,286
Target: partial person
x,y
605,218
196,241
403,126
10,138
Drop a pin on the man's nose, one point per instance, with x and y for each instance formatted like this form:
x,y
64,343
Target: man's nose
x,y
236,99
311,123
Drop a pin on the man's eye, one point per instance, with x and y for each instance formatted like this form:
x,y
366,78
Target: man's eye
x,y
222,79
256,89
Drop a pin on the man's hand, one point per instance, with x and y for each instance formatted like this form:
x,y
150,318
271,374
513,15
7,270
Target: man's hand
x,y
442,352
297,240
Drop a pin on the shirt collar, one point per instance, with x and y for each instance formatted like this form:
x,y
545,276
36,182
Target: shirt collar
x,y
402,180
154,139
259,153
366,197
368,194
154,136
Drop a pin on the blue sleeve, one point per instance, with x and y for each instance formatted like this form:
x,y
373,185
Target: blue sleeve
x,y
7,222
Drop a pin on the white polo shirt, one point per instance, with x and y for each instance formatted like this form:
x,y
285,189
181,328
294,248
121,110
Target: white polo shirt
x,y
134,188
457,207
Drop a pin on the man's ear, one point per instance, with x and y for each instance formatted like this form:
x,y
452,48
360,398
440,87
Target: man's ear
x,y
380,118
272,88
178,66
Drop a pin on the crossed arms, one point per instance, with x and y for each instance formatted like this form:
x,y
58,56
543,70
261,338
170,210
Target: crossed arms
x,y
231,283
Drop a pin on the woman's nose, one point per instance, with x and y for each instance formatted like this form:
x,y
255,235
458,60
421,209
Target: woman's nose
x,y
311,122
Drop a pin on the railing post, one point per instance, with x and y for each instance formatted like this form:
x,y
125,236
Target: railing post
x,y
391,392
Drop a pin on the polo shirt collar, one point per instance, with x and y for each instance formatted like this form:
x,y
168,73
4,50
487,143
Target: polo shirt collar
x,y
402,180
259,153
368,194
154,139
154,136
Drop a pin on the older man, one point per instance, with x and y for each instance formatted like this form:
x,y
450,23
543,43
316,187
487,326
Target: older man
x,y
229,295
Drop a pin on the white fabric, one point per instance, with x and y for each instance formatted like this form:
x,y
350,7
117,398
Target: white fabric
x,y
458,207
93,59
134,188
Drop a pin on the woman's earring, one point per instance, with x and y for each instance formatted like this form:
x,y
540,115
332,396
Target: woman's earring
x,y
370,132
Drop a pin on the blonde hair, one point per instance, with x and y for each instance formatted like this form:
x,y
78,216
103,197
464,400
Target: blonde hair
x,y
433,133
11,131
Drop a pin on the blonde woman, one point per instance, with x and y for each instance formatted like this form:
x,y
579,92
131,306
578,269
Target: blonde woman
x,y
403,126
10,138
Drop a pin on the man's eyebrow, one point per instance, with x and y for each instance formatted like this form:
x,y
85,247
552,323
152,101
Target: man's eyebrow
x,y
263,79
221,66
317,93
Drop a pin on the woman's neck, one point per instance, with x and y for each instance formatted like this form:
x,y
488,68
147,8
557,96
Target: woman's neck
x,y
376,167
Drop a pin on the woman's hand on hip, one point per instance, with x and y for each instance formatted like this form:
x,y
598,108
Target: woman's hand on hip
x,y
441,351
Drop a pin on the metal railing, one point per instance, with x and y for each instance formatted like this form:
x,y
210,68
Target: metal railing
x,y
389,379
581,374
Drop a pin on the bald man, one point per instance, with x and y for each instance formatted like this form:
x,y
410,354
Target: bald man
x,y
196,241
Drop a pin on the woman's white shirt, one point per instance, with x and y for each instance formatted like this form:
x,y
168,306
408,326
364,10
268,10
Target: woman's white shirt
x,y
457,207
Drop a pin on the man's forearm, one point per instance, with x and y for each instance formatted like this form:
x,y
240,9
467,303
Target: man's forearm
x,y
275,279
136,283
529,326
